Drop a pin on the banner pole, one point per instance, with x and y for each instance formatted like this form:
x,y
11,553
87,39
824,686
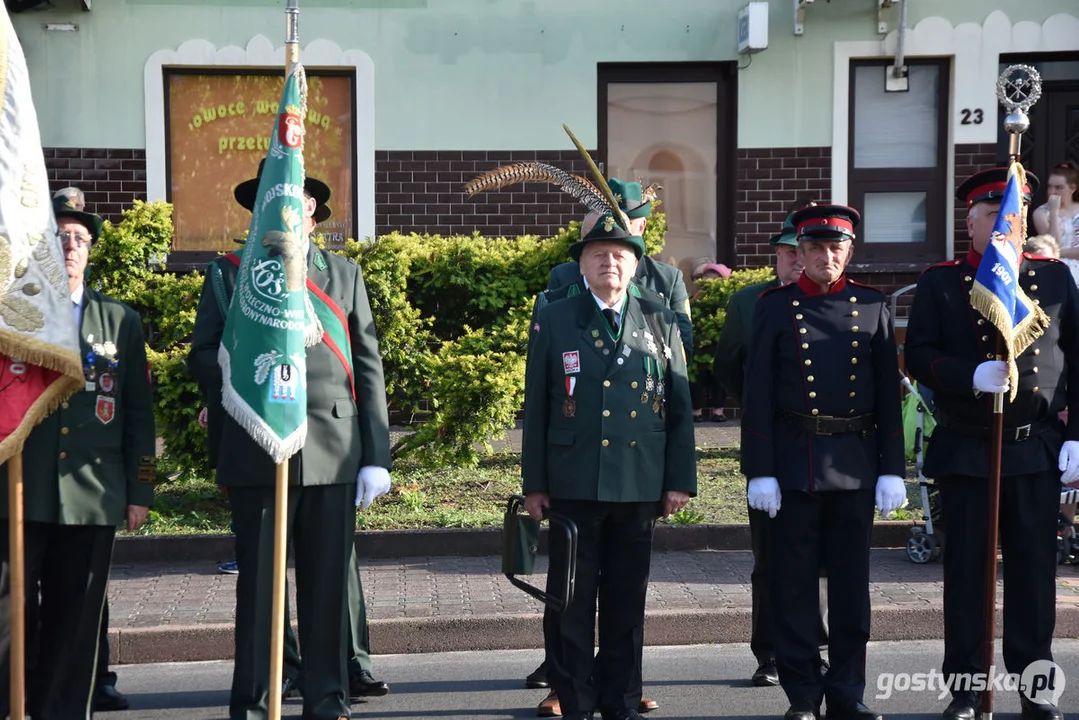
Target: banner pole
x,y
277,623
16,560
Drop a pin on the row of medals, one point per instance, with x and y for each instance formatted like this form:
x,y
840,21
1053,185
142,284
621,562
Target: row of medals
x,y
651,384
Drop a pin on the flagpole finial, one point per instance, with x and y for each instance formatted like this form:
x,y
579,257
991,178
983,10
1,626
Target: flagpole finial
x,y
1018,88
292,34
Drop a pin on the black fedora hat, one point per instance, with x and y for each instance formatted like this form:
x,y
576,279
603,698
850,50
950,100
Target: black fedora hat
x,y
320,191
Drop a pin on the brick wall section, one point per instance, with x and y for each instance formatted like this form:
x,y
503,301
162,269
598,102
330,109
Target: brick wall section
x,y
969,159
111,178
769,182
420,191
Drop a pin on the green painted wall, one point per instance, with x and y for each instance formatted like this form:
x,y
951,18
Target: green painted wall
x,y
468,74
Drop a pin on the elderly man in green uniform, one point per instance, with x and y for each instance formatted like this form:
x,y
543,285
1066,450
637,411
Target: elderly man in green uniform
x,y
730,368
664,280
344,462
608,442
89,467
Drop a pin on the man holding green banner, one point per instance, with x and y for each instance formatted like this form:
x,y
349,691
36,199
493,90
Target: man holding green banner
x,y
296,352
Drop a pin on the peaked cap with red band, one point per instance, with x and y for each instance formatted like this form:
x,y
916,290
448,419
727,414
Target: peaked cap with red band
x,y
988,186
826,222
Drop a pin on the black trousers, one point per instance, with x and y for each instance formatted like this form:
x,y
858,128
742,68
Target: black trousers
x,y
827,531
69,565
762,634
614,549
321,528
104,676
1029,505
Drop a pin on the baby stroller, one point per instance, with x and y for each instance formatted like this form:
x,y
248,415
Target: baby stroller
x,y
923,545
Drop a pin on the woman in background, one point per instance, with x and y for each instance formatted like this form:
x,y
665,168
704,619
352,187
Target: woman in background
x,y
1059,216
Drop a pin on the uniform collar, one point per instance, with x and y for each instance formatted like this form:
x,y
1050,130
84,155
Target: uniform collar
x,y
974,258
811,288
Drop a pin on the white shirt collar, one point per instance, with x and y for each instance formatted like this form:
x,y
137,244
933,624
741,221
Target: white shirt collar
x,y
617,307
77,293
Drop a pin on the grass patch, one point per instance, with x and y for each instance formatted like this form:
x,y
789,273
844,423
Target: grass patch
x,y
451,497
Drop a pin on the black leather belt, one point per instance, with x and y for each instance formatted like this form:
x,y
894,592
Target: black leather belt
x,y
827,424
1011,434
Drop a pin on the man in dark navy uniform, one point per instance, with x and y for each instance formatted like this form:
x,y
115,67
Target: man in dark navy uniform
x,y
951,348
822,429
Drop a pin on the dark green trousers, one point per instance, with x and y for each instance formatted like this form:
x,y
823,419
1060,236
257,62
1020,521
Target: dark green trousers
x,y
359,648
321,528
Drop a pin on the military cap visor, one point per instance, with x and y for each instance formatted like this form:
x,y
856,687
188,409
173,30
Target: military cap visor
x,y
320,191
826,222
607,229
988,186
65,207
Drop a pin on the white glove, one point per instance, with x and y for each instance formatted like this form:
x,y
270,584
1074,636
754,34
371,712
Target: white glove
x,y
763,494
891,494
371,482
1069,462
991,377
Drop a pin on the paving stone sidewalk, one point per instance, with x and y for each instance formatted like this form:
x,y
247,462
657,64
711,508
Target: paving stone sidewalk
x,y
186,610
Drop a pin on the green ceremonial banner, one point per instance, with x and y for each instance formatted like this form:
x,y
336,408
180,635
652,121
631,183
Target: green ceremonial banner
x,y
271,319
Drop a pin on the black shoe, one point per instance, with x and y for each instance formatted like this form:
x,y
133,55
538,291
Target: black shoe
x,y
964,706
289,688
363,685
851,711
804,710
766,674
108,699
538,679
1039,711
627,714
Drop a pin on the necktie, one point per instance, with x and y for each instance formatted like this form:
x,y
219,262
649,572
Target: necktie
x,y
612,318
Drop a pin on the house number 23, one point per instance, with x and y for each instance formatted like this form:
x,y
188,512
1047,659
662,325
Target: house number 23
x,y
971,117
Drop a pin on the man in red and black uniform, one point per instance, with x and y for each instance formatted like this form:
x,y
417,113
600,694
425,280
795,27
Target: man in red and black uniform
x,y
822,430
951,348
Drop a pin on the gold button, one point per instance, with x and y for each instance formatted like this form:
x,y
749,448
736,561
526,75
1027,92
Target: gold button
x,y
853,378
852,394
854,314
1030,273
805,346
853,299
810,378
815,411
1035,388
633,413
854,344
633,384
606,413
795,303
64,431
65,406
1037,301
1034,369
1033,287
798,316
1037,351
854,361
989,356
981,321
809,362
605,443
606,383
854,329
967,278
812,395
803,331
63,455
633,443
985,338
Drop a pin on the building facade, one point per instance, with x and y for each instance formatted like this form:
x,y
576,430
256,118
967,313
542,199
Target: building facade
x,y
862,102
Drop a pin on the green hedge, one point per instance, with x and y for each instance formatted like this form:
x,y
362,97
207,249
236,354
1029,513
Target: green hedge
x,y
451,313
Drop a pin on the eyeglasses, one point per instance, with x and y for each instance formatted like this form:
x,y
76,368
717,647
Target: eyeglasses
x,y
74,240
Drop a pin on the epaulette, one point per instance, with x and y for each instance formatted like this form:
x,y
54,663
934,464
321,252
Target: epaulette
x,y
945,264
1032,256
770,290
855,283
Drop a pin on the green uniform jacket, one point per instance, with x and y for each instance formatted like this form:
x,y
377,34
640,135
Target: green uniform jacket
x,y
614,447
342,435
664,280
81,464
732,350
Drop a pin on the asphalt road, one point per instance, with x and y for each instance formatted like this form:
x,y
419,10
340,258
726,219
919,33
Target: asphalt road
x,y
690,682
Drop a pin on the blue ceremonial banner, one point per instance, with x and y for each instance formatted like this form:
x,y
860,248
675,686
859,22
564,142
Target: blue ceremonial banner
x,y
996,293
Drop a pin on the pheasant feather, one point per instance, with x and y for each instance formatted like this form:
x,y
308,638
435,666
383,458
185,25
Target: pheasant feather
x,y
601,183
575,185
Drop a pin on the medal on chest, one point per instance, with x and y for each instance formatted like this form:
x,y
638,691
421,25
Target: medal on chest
x,y
571,364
